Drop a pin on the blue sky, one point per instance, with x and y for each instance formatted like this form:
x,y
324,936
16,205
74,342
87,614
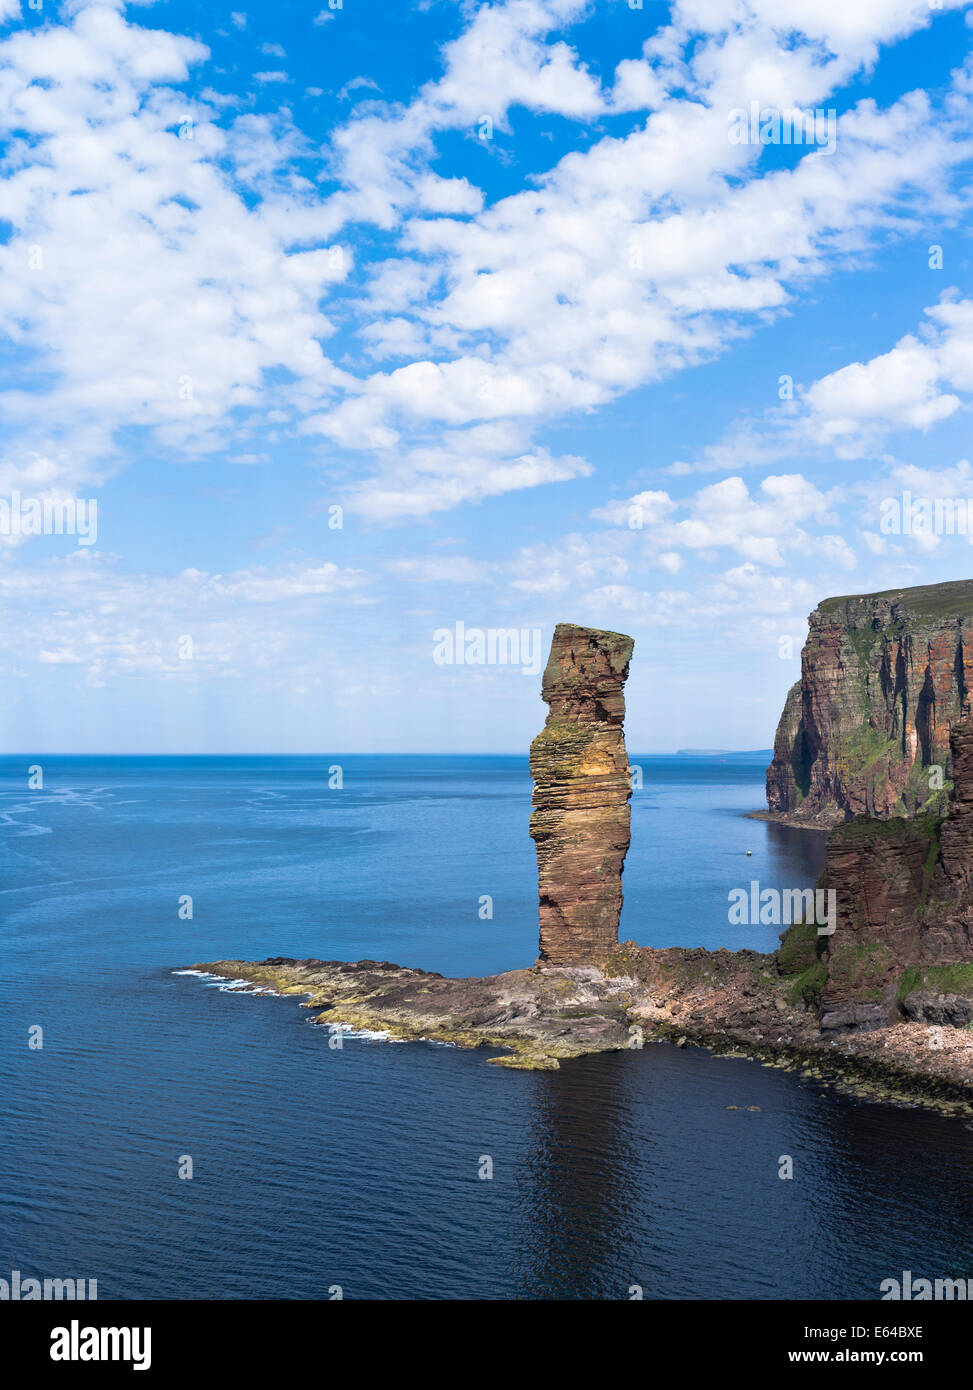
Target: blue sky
x,y
495,281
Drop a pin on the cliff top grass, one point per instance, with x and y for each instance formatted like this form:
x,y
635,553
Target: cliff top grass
x,y
935,601
603,635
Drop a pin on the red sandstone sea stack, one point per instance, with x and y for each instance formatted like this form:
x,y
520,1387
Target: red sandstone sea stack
x,y
580,821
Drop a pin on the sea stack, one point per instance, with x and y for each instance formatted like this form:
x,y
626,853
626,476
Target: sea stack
x,y
581,819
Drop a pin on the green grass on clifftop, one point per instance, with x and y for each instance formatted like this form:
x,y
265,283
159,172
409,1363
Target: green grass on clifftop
x,y
934,601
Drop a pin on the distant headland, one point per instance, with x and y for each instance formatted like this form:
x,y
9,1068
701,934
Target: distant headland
x,y
722,752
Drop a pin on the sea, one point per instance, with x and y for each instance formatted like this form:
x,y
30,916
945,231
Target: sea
x,y
172,1137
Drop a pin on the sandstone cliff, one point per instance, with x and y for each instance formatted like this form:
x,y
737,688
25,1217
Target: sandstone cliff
x,y
904,907
580,821
883,679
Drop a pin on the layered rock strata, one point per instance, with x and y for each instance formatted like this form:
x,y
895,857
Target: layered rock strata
x,y
904,905
580,821
866,729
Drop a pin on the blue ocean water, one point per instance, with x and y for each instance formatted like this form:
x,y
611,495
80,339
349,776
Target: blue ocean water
x,y
316,1168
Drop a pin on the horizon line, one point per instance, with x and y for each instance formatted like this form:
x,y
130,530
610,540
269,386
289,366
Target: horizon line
x,y
357,753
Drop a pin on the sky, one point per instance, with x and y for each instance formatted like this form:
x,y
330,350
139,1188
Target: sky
x,y
349,323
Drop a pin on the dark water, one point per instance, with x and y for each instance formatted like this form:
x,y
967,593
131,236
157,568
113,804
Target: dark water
x,y
315,1167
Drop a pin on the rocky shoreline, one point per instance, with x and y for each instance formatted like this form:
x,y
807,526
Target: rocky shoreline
x,y
787,818
742,1004
875,995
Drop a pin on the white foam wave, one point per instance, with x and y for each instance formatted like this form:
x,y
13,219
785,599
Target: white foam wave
x,y
225,985
348,1030
234,986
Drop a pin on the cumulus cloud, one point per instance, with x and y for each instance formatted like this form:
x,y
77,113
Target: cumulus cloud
x,y
437,477
760,527
188,296
86,611
642,255
159,299
925,379
905,388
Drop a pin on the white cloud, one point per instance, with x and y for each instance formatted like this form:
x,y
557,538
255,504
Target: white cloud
x,y
157,299
835,551
638,87
670,560
357,84
576,563
853,30
645,253
760,528
438,569
643,509
920,382
905,388
63,657
86,611
762,592
435,478
924,495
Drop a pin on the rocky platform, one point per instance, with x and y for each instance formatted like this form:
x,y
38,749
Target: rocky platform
x,y
539,1015
738,1003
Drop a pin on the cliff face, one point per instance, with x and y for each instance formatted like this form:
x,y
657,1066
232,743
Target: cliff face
x,y
883,679
904,906
580,821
